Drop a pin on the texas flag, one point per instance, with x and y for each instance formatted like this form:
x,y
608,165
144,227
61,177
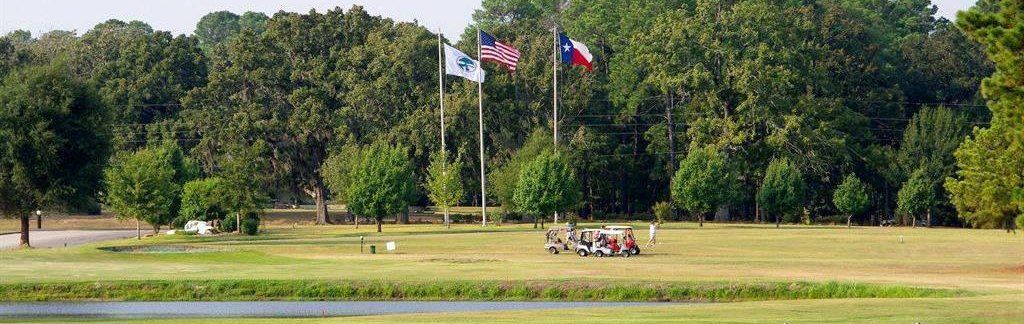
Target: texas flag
x,y
575,53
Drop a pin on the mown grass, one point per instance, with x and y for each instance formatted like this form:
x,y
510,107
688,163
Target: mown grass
x,y
256,290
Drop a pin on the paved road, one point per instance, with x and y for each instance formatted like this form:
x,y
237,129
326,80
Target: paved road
x,y
41,239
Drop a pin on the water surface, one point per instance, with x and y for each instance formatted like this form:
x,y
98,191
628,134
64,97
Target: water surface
x,y
276,308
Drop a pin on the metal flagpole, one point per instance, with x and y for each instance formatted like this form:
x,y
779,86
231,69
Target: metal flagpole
x,y
480,102
554,74
440,100
554,88
440,90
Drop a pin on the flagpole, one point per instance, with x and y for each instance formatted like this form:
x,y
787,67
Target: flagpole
x,y
440,100
480,102
554,74
440,91
554,88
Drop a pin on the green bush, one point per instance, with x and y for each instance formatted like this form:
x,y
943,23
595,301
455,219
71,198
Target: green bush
x,y
228,225
202,200
251,225
662,211
1020,222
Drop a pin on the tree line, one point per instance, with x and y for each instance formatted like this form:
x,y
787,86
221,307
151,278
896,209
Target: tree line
x,y
773,105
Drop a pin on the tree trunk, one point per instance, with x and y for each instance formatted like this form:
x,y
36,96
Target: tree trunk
x,y
355,219
379,221
319,193
849,218
138,229
39,221
447,220
757,212
403,218
700,219
238,223
777,221
928,219
24,232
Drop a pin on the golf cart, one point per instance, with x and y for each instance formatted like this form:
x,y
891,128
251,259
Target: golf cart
x,y
554,242
628,232
602,242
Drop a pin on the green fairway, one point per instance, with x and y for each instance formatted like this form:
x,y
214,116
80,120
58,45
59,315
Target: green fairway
x,y
988,265
981,260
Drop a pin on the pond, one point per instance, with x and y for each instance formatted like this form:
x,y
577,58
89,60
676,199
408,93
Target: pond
x,y
277,308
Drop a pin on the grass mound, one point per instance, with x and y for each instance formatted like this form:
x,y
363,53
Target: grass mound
x,y
231,290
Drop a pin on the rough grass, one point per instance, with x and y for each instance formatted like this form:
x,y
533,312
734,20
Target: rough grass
x,y
221,290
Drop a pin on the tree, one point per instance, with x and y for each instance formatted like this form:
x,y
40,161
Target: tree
x,y
781,192
444,183
54,141
851,197
986,189
203,200
917,196
703,182
216,28
547,184
141,186
142,75
929,141
381,182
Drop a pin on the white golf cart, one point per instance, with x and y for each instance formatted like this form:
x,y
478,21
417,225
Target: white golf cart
x,y
556,239
628,231
603,242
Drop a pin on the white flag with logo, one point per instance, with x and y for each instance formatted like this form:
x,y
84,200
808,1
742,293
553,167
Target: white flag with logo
x,y
459,64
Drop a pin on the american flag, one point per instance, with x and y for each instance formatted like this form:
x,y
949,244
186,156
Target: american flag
x,y
492,50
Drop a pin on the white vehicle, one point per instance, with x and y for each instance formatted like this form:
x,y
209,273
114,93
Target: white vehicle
x,y
553,241
602,242
628,231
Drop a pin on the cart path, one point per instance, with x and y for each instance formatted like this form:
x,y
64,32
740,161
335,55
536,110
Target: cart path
x,y
49,239
277,308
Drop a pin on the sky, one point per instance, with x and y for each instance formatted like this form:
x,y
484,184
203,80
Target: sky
x,y
180,16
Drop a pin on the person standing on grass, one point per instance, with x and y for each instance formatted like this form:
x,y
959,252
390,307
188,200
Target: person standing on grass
x,y
653,232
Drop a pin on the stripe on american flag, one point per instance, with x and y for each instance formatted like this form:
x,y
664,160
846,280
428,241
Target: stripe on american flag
x,y
491,49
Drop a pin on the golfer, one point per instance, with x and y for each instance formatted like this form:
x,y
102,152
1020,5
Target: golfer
x,y
653,234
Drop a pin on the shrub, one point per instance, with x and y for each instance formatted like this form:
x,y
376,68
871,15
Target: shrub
x,y
202,200
251,225
228,224
662,211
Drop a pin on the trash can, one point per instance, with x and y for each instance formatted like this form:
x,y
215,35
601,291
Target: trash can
x,y
373,249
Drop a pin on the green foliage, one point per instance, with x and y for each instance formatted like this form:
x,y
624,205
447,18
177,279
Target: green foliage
x,y
381,182
142,74
141,186
851,196
261,290
703,182
251,224
203,200
662,211
54,140
229,224
917,195
504,180
337,172
444,182
781,193
546,185
991,162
